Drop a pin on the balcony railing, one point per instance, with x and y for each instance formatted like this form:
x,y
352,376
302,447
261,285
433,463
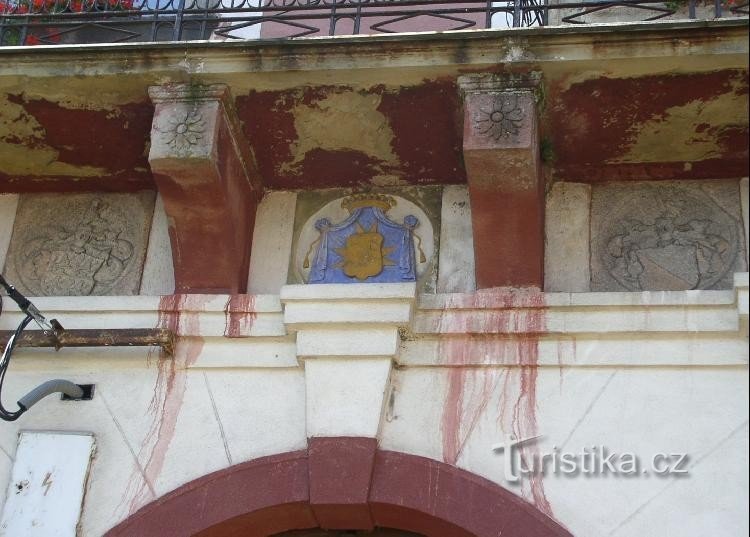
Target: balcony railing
x,y
33,22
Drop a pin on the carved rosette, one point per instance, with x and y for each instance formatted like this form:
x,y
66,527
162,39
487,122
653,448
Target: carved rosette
x,y
184,120
499,109
184,130
502,119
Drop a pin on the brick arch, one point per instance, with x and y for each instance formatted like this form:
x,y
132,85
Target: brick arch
x,y
340,483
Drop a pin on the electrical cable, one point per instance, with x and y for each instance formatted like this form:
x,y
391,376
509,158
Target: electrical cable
x,y
4,363
46,388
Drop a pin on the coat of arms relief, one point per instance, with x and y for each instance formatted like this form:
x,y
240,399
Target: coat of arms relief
x,y
666,237
366,246
80,244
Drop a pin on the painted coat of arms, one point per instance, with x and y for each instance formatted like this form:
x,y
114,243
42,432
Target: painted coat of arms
x,y
367,246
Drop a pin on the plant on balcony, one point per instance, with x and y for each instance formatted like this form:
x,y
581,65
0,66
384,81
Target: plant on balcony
x,y
63,6
50,7
99,21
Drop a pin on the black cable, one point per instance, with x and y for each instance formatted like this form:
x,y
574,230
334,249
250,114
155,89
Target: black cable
x,y
50,328
5,362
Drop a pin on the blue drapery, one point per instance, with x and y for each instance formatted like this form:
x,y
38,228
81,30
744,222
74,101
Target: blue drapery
x,y
398,247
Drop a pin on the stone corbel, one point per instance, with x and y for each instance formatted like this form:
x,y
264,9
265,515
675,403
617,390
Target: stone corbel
x,y
207,176
502,158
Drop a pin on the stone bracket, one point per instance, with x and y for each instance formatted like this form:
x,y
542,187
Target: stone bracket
x,y
503,166
206,174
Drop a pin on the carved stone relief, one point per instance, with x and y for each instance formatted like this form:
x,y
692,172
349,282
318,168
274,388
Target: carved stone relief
x,y
185,130
666,236
79,244
500,118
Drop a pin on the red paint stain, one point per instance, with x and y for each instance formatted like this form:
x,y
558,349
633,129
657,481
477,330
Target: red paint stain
x,y
179,314
239,315
325,168
470,390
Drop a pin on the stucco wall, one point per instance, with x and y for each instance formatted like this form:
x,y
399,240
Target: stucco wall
x,y
646,373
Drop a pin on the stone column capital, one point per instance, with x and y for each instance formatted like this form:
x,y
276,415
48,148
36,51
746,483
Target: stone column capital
x,y
499,82
188,93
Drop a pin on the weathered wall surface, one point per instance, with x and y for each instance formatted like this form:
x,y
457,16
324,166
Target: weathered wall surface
x,y
645,373
653,361
656,101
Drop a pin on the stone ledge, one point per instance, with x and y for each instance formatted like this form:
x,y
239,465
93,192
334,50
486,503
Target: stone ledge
x,y
502,298
356,291
142,303
572,321
579,351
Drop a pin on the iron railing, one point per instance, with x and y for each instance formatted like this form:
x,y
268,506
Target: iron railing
x,y
30,22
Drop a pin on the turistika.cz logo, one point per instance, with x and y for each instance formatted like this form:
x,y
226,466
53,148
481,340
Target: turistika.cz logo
x,y
594,460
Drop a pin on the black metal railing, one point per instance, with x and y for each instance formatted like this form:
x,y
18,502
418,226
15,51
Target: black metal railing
x,y
30,22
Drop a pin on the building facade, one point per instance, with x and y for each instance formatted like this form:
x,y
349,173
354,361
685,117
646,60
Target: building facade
x,y
483,282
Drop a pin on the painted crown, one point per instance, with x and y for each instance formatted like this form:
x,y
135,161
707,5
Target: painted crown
x,y
380,201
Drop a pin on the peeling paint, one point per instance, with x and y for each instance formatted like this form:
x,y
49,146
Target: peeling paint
x,y
336,136
357,124
647,127
693,130
40,139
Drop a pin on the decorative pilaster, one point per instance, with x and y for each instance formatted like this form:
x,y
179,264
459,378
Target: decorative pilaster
x,y
347,338
502,158
208,180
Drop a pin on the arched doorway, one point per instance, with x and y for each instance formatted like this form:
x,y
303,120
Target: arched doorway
x,y
281,494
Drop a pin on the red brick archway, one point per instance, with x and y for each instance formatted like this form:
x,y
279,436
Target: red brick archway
x,y
342,483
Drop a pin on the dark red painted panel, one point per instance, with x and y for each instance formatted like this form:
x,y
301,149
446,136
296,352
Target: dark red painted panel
x,y
592,124
425,120
340,473
114,140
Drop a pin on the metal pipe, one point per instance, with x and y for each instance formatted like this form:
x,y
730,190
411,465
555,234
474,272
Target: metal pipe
x,y
125,337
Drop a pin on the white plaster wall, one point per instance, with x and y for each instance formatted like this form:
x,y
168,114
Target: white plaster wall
x,y
638,372
646,411
8,206
272,242
151,439
158,269
456,263
566,242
